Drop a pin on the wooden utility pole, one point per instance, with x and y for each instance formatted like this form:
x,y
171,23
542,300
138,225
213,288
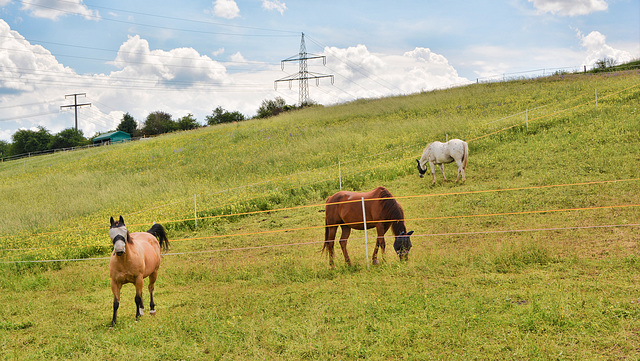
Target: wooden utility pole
x,y
75,104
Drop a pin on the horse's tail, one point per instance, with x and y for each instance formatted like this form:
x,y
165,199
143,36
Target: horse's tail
x,y
466,155
326,237
158,231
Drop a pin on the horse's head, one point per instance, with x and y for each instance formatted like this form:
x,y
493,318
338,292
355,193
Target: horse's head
x,y
402,245
118,234
420,171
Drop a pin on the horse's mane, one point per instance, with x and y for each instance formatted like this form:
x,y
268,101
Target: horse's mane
x,y
392,210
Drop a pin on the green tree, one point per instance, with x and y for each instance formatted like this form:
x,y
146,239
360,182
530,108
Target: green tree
x,y
29,141
128,125
188,122
158,123
220,115
5,149
270,108
68,138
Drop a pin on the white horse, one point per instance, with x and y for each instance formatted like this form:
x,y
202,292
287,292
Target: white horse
x,y
439,153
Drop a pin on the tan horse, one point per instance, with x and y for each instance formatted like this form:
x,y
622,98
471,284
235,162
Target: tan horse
x,y
382,211
135,256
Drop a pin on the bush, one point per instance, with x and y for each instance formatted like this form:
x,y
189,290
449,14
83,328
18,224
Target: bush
x,y
270,108
220,115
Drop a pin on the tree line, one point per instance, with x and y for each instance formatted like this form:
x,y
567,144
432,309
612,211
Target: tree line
x,y
26,141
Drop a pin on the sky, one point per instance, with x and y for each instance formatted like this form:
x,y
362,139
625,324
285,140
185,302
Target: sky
x,y
190,57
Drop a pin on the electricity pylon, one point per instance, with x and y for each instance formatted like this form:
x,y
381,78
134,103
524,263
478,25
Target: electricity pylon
x,y
303,75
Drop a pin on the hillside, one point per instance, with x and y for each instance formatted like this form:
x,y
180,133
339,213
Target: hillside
x,y
534,256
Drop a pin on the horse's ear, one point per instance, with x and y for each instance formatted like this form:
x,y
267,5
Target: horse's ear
x,y
112,221
410,233
122,220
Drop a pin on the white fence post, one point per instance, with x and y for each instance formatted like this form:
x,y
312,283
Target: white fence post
x,y
527,117
596,98
195,210
366,243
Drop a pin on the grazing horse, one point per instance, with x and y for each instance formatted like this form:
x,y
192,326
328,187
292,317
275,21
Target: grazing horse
x,y
382,211
439,153
135,256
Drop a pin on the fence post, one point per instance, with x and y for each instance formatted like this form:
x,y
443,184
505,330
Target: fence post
x,y
596,98
527,119
366,242
195,210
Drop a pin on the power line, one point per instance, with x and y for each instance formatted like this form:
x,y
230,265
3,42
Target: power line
x,y
150,54
28,116
165,27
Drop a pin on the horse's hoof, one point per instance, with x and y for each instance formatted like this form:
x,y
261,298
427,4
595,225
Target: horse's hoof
x,y
375,262
152,312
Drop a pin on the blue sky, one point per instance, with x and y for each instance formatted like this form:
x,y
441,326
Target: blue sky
x,y
186,57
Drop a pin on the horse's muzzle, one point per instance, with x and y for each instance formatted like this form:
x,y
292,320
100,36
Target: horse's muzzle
x,y
404,255
119,247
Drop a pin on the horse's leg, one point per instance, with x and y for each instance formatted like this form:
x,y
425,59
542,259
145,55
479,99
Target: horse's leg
x,y
329,242
460,170
433,172
115,288
139,305
346,231
152,281
381,229
442,170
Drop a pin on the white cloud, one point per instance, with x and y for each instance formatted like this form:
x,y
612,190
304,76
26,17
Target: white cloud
x,y
181,67
362,74
425,69
570,7
227,9
354,63
21,64
597,48
276,5
218,52
55,9
238,58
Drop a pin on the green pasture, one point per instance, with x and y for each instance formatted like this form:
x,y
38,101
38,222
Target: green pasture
x,y
534,257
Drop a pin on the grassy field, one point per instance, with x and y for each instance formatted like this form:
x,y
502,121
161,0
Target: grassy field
x,y
534,257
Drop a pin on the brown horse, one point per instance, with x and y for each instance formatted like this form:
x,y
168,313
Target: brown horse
x,y
382,211
135,256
